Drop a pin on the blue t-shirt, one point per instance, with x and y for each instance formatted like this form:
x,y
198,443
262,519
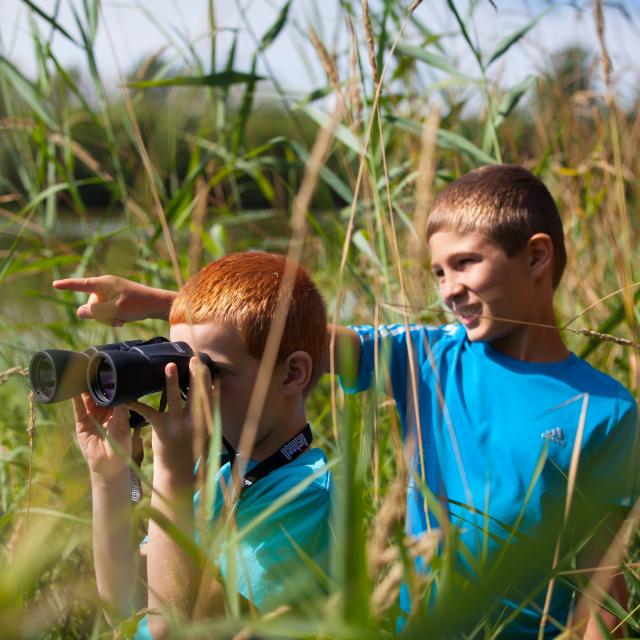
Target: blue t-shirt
x,y
492,438
276,556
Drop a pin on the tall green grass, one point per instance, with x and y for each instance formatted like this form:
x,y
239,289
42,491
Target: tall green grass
x,y
185,161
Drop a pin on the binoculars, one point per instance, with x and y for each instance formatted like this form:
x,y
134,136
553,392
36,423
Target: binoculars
x,y
114,373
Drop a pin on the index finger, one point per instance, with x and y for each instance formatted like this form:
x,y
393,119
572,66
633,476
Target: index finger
x,y
85,285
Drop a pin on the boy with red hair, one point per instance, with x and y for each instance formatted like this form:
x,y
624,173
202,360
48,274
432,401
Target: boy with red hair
x,y
227,311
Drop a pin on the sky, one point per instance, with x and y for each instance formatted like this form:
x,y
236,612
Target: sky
x,y
131,30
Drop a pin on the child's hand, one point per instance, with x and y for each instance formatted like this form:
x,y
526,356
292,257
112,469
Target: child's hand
x,y
114,301
92,422
172,438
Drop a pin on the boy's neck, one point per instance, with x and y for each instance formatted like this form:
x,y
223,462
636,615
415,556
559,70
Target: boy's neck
x,y
539,341
544,346
536,337
278,435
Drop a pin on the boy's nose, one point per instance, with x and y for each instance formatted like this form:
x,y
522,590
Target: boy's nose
x,y
451,291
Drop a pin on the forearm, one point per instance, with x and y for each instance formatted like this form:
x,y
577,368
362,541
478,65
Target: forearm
x,y
618,591
112,544
157,302
172,573
592,631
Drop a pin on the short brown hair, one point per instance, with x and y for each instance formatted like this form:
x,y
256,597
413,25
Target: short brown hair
x,y
241,290
506,203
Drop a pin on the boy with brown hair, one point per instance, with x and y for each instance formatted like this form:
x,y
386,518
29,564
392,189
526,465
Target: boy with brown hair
x,y
226,311
500,420
498,413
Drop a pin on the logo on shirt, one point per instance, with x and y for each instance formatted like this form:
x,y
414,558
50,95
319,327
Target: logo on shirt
x,y
554,435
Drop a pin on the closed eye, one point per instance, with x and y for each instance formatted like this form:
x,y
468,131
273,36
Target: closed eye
x,y
466,261
220,373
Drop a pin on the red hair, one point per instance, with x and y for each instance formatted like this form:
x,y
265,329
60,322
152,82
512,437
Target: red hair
x,y
241,290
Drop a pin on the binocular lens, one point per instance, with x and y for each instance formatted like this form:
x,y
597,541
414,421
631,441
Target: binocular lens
x,y
44,378
106,380
102,380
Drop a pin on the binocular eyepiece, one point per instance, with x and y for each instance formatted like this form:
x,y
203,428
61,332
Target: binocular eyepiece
x,y
114,373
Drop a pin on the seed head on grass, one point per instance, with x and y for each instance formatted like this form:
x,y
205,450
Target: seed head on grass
x,y
327,62
371,47
355,88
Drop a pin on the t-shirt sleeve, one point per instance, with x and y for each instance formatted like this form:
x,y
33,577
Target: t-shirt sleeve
x,y
387,347
142,630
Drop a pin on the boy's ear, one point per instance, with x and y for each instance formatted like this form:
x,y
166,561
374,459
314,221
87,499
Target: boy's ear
x,y
540,254
298,368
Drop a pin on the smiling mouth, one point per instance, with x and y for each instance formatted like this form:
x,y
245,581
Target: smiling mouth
x,y
468,315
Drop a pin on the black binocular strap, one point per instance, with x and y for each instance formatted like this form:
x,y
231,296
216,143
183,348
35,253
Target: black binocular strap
x,y
285,454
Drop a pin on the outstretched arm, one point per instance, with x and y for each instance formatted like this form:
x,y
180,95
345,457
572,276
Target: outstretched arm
x,y
114,300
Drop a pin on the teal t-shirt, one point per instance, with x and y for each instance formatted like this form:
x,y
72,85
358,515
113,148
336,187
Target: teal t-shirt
x,y
493,438
276,556
278,553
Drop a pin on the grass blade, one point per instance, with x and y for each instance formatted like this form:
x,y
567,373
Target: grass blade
x,y
222,79
432,59
52,21
504,45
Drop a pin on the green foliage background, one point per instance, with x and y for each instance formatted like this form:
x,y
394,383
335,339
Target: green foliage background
x,y
88,174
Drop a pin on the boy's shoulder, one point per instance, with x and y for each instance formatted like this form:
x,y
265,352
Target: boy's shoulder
x,y
601,384
305,475
304,483
308,472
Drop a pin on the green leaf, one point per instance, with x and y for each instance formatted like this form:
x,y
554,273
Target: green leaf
x,y
52,21
445,139
316,94
275,28
27,91
45,265
73,87
223,79
29,209
332,179
360,241
432,59
343,134
245,110
511,99
450,140
505,44
464,31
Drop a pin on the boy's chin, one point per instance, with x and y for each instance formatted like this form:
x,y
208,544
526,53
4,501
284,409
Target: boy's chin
x,y
480,333
475,331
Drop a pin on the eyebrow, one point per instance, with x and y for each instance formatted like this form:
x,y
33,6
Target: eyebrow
x,y
458,254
